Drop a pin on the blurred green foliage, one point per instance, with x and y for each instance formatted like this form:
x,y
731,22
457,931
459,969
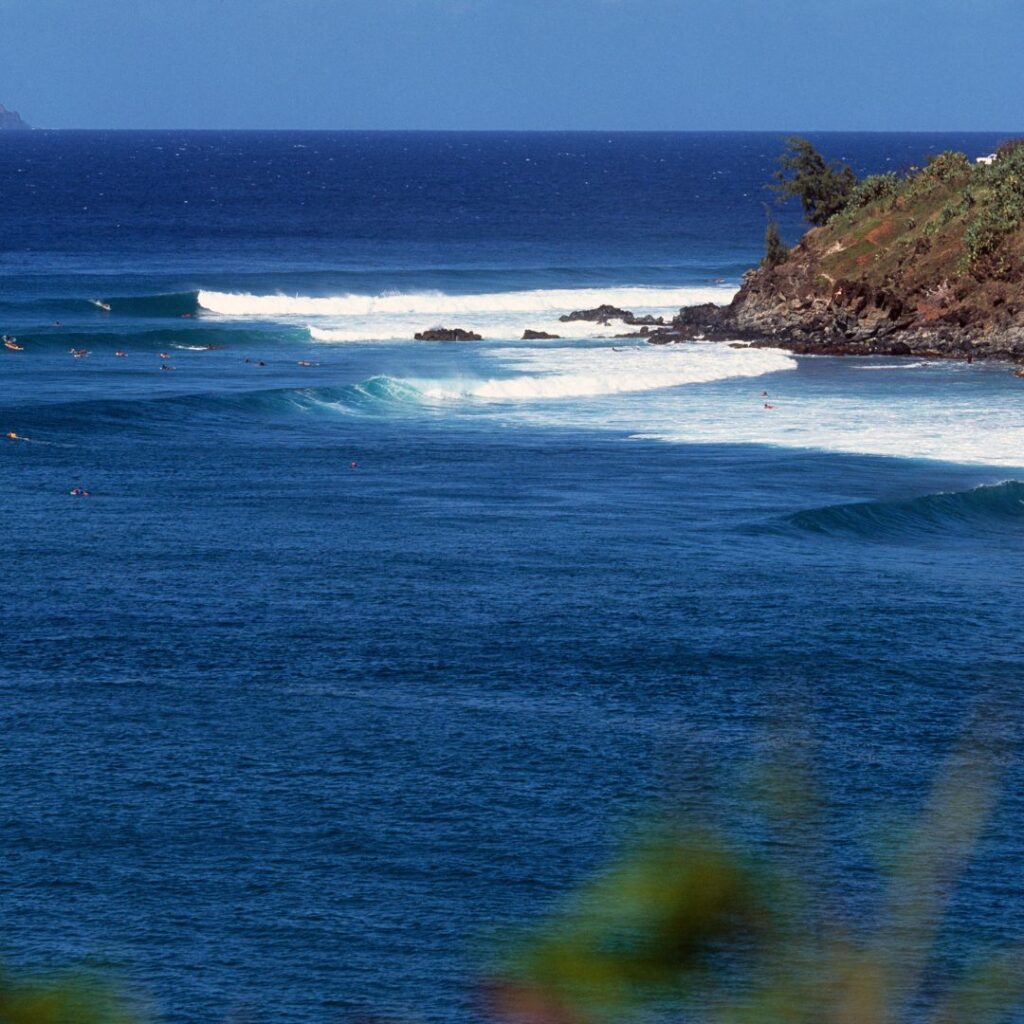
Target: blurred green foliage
x,y
72,999
687,924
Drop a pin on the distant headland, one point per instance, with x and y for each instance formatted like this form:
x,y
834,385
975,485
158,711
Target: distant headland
x,y
11,120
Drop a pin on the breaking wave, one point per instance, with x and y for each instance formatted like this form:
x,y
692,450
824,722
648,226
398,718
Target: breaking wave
x,y
588,372
354,317
435,303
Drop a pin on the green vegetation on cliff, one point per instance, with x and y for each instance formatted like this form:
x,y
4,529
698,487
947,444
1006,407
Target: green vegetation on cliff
x,y
961,220
938,251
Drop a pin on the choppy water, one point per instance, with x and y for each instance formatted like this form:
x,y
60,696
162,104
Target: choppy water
x,y
343,666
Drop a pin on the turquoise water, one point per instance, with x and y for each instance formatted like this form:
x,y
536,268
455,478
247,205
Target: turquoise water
x,y
342,667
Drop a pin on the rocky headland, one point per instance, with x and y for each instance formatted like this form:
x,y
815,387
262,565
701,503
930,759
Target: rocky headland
x,y
10,119
929,265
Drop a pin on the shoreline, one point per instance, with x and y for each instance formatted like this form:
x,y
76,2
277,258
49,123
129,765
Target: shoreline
x,y
813,331
832,332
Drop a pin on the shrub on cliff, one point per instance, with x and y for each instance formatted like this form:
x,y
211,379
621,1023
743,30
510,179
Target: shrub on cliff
x,y
822,188
775,250
1002,187
947,167
872,189
1009,147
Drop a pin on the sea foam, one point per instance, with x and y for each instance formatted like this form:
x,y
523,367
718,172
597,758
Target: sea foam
x,y
583,372
436,303
499,315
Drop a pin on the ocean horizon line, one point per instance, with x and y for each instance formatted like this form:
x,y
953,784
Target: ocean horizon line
x,y
548,131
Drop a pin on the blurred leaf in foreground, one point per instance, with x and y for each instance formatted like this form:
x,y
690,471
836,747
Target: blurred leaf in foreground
x,y
691,924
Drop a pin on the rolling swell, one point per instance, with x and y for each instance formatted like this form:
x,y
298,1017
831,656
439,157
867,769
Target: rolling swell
x,y
374,396
989,508
175,304
131,339
170,305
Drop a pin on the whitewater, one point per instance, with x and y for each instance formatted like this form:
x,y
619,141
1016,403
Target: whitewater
x,y
948,420
503,315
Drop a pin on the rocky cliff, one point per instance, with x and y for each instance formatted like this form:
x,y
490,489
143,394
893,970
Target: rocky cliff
x,y
10,119
929,264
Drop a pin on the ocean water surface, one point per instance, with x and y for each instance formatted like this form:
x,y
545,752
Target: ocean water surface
x,y
361,649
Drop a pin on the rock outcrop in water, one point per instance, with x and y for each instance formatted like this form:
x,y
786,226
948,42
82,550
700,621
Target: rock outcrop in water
x,y
11,120
447,334
931,265
604,314
529,335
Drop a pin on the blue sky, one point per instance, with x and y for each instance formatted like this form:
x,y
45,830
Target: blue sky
x,y
515,64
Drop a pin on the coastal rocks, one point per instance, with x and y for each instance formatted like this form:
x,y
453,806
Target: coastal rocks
x,y
799,308
11,120
604,314
600,315
529,335
447,334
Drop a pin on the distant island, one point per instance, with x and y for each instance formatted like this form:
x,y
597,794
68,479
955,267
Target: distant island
x,y
926,264
11,120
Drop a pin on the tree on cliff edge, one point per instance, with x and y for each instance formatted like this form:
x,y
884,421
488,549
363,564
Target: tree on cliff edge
x,y
775,251
823,189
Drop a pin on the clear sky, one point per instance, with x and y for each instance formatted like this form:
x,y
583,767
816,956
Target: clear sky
x,y
515,64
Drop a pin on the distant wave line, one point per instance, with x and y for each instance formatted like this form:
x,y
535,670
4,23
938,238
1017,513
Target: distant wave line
x,y
437,303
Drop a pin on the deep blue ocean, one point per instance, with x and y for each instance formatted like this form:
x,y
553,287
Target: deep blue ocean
x,y
362,650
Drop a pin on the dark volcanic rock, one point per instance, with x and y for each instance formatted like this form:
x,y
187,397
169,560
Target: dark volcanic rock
x,y
9,119
538,335
600,315
447,334
605,313
851,318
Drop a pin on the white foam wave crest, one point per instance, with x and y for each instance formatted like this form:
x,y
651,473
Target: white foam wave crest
x,y
495,315
435,303
589,372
